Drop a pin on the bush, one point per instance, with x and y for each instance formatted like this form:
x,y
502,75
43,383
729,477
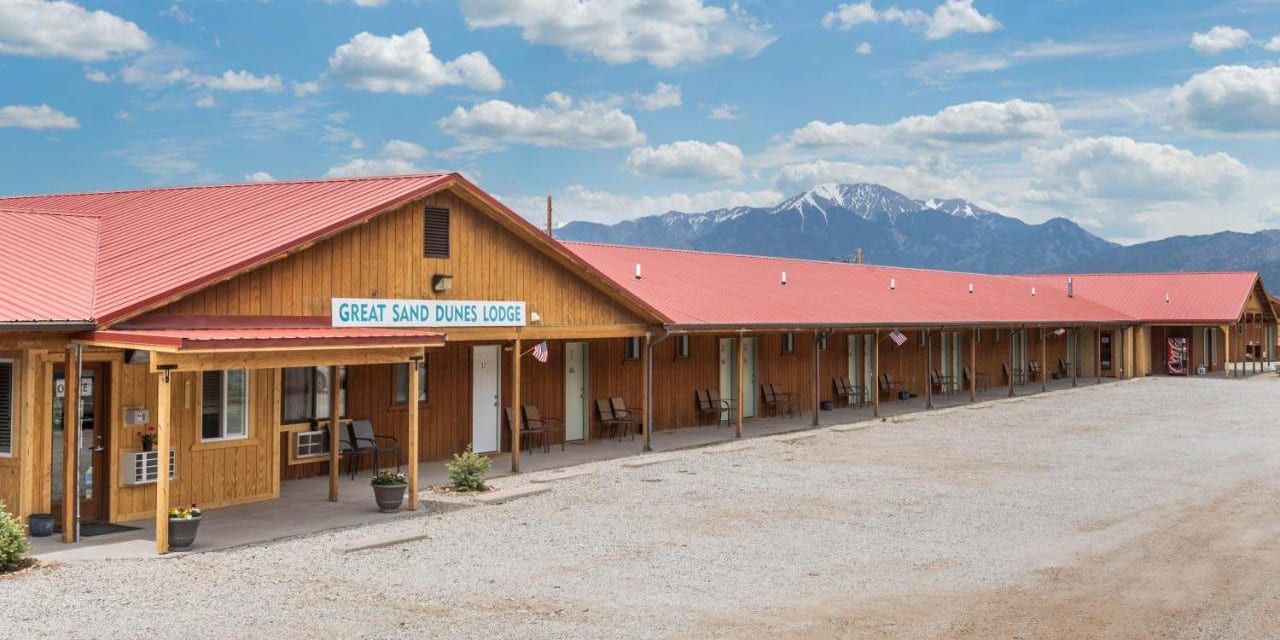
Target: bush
x,y
13,541
467,470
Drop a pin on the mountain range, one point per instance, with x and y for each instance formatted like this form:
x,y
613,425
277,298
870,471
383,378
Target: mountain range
x,y
832,221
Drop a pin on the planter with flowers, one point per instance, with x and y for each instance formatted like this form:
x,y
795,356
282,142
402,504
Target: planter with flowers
x,y
147,438
183,525
388,490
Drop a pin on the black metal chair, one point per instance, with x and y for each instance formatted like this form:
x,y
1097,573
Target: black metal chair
x,y
364,437
351,452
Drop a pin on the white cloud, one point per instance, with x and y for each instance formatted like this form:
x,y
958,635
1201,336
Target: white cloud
x,y
147,73
405,64
664,34
169,160
947,64
913,180
259,176
1273,44
269,124
688,159
178,13
580,203
403,149
96,75
1230,99
724,112
558,123
206,101
863,49
1220,38
42,117
304,89
66,30
950,17
664,96
972,126
359,167
238,81
1122,169
123,115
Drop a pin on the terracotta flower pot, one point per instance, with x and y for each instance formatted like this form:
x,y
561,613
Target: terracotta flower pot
x,y
389,496
182,532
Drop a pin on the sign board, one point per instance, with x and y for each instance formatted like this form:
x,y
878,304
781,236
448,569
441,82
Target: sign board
x,y
376,312
60,387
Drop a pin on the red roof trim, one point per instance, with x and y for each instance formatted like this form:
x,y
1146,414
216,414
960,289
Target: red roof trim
x,y
193,340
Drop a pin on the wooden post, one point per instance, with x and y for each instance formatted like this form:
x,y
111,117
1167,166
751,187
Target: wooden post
x,y
335,424
412,433
973,365
742,397
817,371
1044,363
1075,356
164,441
874,387
644,397
928,369
515,407
1130,367
70,443
1226,351
1011,363
1097,352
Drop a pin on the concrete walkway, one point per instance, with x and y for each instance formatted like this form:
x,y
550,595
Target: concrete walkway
x,y
303,506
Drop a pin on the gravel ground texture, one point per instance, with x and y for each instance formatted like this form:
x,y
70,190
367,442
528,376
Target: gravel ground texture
x,y
1138,509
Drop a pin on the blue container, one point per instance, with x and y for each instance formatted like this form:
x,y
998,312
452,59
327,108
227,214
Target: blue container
x,y
40,524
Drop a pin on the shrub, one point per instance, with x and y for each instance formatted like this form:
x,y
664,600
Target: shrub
x,y
467,470
13,541
384,478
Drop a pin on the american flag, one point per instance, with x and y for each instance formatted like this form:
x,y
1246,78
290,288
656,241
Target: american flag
x,y
540,351
897,337
1058,332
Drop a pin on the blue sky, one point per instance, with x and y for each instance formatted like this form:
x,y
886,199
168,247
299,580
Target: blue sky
x,y
1134,121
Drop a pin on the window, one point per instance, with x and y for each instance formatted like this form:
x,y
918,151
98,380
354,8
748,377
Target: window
x,y
305,391
224,405
633,349
788,343
822,341
6,408
400,382
682,346
977,335
435,233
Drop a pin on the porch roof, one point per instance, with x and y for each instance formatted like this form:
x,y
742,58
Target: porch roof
x,y
193,340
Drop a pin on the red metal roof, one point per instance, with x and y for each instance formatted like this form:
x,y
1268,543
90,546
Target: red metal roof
x,y
273,338
47,265
157,243
1184,297
710,289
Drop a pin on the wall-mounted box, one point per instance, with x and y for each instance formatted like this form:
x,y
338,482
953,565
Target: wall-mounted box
x,y
136,416
141,467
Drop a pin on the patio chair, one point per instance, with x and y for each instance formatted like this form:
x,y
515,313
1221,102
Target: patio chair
x,y
1033,370
727,406
1018,376
533,420
364,437
790,401
844,391
348,450
939,383
621,412
706,410
888,386
772,403
615,426
527,435
1064,366
980,379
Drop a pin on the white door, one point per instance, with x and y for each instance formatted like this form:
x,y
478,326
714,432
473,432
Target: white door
x,y
729,373
576,411
486,418
855,359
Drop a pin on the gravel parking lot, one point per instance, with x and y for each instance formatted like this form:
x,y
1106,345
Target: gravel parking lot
x,y
1141,509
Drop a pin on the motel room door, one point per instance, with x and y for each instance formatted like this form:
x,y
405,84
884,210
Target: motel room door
x,y
729,372
1106,352
486,390
92,441
576,413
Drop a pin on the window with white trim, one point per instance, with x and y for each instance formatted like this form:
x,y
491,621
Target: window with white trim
x,y
6,408
224,405
400,382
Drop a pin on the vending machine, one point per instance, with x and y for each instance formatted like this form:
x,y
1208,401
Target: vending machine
x,y
1179,355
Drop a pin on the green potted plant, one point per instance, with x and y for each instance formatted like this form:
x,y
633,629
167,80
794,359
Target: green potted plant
x,y
388,490
183,525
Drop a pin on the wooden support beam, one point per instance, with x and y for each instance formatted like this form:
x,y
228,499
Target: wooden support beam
x,y
70,443
515,407
1044,363
973,365
1075,356
1012,337
334,439
1097,352
874,387
164,442
1226,351
817,371
928,369
644,397
413,430
742,396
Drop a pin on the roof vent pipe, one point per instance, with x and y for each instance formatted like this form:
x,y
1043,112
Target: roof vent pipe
x,y
1033,291
637,271
970,287
893,283
1166,298
1071,287
784,278
857,256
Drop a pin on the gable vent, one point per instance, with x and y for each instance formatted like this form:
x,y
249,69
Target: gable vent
x,y
6,408
435,233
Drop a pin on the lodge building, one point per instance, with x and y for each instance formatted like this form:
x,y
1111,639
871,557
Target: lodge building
x,y
246,325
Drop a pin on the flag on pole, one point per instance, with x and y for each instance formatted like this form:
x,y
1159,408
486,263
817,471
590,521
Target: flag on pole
x,y
1058,332
540,351
897,337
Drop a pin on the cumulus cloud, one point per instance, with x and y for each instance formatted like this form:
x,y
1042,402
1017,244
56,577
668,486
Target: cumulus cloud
x,y
688,160
148,73
1230,99
1123,169
96,75
1273,44
665,34
580,203
405,64
913,180
863,49
304,89
972,126
403,149
950,17
1220,38
66,30
396,157
259,176
30,117
724,112
560,122
664,96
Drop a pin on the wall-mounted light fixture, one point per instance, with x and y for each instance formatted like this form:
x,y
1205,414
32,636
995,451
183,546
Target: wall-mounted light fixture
x,y
534,316
441,282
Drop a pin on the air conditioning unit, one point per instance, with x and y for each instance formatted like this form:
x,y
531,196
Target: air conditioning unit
x,y
141,467
310,444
